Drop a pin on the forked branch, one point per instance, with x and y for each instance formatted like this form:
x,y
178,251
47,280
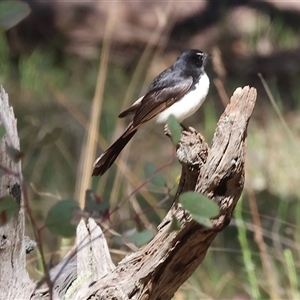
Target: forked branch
x,y
157,270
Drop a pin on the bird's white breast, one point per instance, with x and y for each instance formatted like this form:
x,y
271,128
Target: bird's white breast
x,y
188,104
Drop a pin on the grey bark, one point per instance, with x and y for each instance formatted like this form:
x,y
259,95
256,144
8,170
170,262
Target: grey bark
x,y
14,280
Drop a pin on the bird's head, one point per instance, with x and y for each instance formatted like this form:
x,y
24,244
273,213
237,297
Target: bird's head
x,y
194,57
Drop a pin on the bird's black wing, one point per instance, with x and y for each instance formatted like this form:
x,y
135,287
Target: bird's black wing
x,y
160,97
132,109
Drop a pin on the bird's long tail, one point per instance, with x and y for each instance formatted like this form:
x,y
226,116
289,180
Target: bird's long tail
x,y
104,162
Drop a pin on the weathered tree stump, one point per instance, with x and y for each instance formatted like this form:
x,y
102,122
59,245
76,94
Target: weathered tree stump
x,y
14,280
157,270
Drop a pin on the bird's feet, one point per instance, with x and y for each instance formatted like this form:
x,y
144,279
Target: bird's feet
x,y
184,127
168,133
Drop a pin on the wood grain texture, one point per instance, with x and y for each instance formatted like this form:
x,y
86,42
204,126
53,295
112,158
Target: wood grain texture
x,y
157,270
14,280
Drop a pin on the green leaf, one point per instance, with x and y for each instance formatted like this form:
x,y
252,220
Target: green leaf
x,y
139,238
8,208
60,216
175,225
12,12
203,221
2,131
14,154
50,137
200,207
158,179
174,128
95,206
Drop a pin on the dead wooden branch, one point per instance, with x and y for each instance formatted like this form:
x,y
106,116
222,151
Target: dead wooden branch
x,y
157,270
14,280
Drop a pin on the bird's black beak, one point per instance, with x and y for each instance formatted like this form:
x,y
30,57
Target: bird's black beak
x,y
206,57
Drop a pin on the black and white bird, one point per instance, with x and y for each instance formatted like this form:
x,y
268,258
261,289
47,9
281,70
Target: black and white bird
x,y
179,90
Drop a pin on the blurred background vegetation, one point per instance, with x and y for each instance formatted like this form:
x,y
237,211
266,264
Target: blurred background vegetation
x,y
66,58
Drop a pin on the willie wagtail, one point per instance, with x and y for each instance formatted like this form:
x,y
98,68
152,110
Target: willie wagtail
x,y
179,90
